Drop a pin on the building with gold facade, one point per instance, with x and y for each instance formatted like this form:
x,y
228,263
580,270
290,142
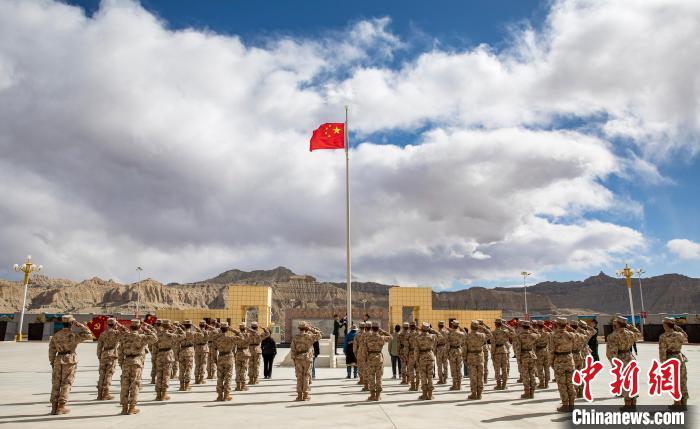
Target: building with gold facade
x,y
418,302
243,300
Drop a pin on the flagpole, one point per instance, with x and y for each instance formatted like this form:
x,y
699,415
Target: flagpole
x,y
347,222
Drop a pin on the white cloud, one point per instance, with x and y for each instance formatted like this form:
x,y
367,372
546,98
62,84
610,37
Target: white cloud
x,y
684,249
125,143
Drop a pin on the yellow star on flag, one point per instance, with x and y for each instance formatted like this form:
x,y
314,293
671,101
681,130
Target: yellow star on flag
x,y
336,130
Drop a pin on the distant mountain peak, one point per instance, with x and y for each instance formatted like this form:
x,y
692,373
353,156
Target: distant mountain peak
x,y
278,274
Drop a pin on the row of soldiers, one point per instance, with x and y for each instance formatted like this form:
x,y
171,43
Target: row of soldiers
x,y
537,348
169,343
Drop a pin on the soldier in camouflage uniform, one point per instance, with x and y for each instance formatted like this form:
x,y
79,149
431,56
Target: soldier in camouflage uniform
x,y
499,351
425,358
413,380
175,367
474,358
670,345
133,342
254,340
154,354
186,341
201,352
375,359
212,359
528,359
167,337
302,350
403,352
619,345
582,334
242,357
64,361
516,351
107,354
441,352
360,348
542,353
561,344
455,341
489,337
227,341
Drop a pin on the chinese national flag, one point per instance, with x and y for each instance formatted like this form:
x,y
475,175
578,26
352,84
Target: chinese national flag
x,y
328,136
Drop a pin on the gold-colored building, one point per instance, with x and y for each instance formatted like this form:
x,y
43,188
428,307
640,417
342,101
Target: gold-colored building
x,y
241,298
420,301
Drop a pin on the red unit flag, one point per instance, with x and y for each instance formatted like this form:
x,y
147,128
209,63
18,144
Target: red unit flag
x,y
328,136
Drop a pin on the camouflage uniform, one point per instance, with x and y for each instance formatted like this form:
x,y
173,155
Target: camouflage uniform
x,y
186,340
670,345
107,355
302,353
619,345
542,353
499,351
441,353
360,348
154,354
375,360
413,380
403,353
175,367
489,337
581,336
133,343
474,358
455,341
167,337
561,344
254,340
516,351
242,358
201,352
64,361
226,342
528,359
425,358
212,359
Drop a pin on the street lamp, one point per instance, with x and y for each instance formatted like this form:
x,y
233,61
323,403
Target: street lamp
x,y
642,316
525,275
364,302
27,268
138,291
627,274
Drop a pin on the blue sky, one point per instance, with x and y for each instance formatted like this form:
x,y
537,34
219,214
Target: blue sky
x,y
606,124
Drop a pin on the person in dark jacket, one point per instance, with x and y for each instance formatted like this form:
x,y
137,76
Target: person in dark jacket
x,y
269,350
317,351
350,359
337,324
593,342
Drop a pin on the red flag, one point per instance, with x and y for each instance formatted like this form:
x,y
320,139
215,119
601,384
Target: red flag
x,y
328,136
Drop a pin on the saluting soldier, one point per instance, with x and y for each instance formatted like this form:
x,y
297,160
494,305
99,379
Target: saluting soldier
x,y
375,359
526,348
670,345
403,352
619,345
455,342
474,358
64,361
561,344
133,343
499,351
301,350
254,340
107,355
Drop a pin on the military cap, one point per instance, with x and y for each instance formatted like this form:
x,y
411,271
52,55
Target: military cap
x,y
582,323
241,325
669,320
441,322
159,321
135,322
202,322
369,324
455,322
111,321
254,324
425,326
405,324
362,324
540,323
480,321
186,322
475,323
498,320
561,320
302,324
67,318
223,324
413,323
165,322
525,323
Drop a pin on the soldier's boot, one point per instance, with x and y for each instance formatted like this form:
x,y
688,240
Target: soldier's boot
x,y
108,397
244,386
412,387
187,387
125,409
526,394
633,403
478,393
627,406
454,385
182,387
377,396
684,403
677,405
404,379
306,396
54,408
227,396
520,380
299,397
165,395
365,388
153,380
159,395
540,385
133,409
62,409
531,395
430,395
371,396
579,392
546,383
564,408
220,396
100,395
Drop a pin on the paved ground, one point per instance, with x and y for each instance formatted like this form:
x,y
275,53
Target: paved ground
x,y
25,382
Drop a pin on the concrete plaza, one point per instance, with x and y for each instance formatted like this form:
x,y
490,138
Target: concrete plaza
x,y
25,383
